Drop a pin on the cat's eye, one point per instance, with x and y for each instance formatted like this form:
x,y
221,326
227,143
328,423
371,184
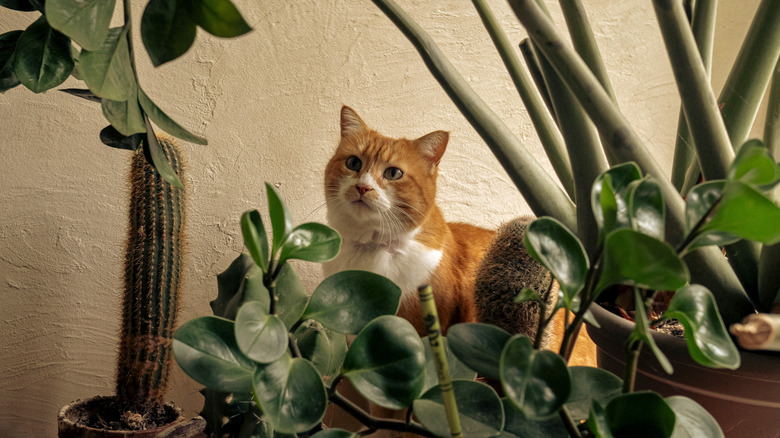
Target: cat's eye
x,y
354,163
393,173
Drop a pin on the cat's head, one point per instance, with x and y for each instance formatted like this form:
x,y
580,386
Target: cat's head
x,y
378,184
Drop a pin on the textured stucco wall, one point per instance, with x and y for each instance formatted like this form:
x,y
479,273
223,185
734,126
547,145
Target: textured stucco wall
x,y
268,102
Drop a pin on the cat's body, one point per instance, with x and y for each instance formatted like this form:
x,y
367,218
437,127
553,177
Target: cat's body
x,y
380,196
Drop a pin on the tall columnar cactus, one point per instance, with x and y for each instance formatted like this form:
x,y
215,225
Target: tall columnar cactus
x,y
152,280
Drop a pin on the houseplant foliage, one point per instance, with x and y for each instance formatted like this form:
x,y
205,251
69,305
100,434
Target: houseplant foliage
x,y
74,38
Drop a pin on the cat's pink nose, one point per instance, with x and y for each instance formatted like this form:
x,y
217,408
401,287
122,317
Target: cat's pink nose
x,y
363,189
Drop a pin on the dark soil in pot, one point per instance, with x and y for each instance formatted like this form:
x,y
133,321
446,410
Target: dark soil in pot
x,y
99,417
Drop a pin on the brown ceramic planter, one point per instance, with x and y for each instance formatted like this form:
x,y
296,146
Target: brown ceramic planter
x,y
68,422
745,402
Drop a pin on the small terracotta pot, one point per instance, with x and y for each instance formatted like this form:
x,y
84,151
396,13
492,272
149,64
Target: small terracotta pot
x,y
68,422
745,402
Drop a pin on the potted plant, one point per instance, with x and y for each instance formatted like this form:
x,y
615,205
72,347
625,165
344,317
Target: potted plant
x,y
74,38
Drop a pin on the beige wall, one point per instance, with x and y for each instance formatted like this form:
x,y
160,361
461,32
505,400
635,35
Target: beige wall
x,y
268,102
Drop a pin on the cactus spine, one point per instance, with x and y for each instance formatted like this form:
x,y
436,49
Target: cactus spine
x,y
151,291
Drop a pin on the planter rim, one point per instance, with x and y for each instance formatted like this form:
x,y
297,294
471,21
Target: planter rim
x,y
66,423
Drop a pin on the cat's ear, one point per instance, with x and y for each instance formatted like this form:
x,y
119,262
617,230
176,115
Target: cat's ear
x,y
433,145
351,122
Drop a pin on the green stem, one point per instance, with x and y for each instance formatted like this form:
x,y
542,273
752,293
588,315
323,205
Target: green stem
x,y
632,363
540,191
569,423
532,64
768,280
374,423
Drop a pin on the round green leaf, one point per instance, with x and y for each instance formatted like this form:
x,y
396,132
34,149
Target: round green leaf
x,y
292,295
640,415
84,21
637,259
708,340
693,421
747,213
537,382
281,223
167,30
479,407
608,196
589,384
646,207
219,18
597,422
557,249
8,77
698,203
255,238
291,394
517,426
107,70
334,433
324,348
348,300
479,346
386,362
166,123
312,242
206,350
261,337
458,370
42,59
753,165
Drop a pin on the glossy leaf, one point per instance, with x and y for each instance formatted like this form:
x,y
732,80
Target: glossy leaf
x,y
558,250
84,21
479,407
347,301
17,5
646,208
8,77
206,350
311,242
325,349
292,295
479,346
261,337
125,116
107,70
291,394
633,258
536,381
747,213
335,433
219,18
693,421
708,339
698,203
281,223
640,415
458,370
386,362
608,196
590,384
527,294
113,138
643,333
230,286
167,30
753,165
517,426
155,155
255,238
42,59
166,123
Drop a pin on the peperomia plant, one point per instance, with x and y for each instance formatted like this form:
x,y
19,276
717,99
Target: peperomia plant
x,y
74,38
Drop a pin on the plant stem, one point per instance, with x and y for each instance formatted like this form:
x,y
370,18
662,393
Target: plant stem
x,y
569,423
532,64
768,280
632,363
374,423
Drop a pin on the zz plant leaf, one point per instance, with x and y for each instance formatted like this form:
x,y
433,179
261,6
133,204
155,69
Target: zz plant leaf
x,y
219,18
479,407
706,335
107,70
8,77
479,346
261,337
84,21
42,59
167,30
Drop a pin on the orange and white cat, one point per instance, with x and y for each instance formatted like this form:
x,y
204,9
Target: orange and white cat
x,y
381,197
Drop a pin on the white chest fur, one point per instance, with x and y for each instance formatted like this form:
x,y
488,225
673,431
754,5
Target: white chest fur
x,y
406,262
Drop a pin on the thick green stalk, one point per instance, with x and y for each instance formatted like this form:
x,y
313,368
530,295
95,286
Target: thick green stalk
x,y
543,123
772,122
768,280
532,63
539,190
152,280
707,265
703,28
750,75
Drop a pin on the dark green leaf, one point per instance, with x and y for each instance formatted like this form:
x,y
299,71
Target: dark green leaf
x,y
291,394
633,258
261,337
230,285
386,362
312,242
458,370
698,203
334,433
747,213
537,382
589,384
125,116
640,415
646,209
598,423
219,18
753,165
82,93
608,197
292,295
107,70
643,333
517,426
166,123
479,346
347,301
255,238
111,137
206,350
167,30
527,294
17,5
324,348
558,250
42,59
8,77
84,21
155,155
281,224
693,421
479,407
708,339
